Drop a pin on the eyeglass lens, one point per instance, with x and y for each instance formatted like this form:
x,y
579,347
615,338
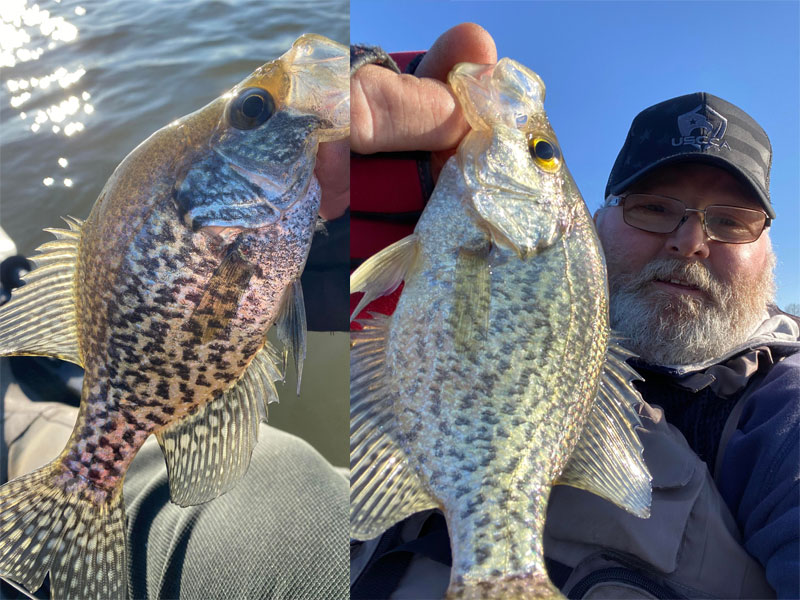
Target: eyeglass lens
x,y
660,214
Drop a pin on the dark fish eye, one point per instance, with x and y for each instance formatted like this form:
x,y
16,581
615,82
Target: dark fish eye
x,y
544,150
251,108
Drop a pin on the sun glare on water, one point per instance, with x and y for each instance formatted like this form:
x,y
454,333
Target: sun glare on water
x,y
27,32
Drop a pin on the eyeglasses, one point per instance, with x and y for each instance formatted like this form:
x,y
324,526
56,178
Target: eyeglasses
x,y
662,214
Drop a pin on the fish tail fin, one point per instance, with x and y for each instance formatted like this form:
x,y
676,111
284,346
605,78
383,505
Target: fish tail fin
x,y
513,587
52,524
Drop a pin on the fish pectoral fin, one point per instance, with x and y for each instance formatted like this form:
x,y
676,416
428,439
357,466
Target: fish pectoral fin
x,y
471,298
291,324
383,272
384,489
220,300
608,458
41,319
209,451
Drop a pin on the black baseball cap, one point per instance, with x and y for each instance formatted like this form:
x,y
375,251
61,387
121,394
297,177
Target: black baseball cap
x,y
695,128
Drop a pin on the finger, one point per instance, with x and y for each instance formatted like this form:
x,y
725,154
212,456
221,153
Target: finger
x,y
391,112
333,173
466,42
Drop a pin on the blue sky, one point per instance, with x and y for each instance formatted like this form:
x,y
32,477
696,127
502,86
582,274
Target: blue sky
x,y
603,62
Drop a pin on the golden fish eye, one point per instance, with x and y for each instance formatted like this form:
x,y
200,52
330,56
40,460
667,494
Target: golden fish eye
x,y
252,107
545,154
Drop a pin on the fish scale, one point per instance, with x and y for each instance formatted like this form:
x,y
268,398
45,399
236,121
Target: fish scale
x,y
472,397
165,295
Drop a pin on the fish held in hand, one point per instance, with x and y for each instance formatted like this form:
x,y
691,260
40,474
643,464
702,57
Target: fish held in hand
x,y
165,295
496,377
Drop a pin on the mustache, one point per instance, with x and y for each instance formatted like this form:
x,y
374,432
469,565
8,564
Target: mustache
x,y
690,273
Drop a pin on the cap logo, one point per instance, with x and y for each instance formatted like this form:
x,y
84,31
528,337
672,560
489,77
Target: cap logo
x,y
711,128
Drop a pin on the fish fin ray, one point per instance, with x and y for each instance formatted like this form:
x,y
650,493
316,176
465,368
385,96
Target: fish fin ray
x,y
471,299
221,297
40,319
383,272
608,459
209,451
384,488
45,529
291,324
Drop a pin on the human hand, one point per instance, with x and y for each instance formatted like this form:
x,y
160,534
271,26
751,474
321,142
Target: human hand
x,y
333,173
391,112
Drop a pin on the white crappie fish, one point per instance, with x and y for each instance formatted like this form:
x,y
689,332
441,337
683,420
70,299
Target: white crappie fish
x,y
495,378
165,295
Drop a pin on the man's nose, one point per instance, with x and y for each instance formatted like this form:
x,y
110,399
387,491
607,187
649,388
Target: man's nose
x,y
689,239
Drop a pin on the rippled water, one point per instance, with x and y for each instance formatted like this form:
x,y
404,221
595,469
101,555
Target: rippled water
x,y
82,83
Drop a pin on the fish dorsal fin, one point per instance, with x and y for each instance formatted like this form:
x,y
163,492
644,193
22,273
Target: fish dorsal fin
x,y
383,487
40,318
291,324
608,458
209,451
383,272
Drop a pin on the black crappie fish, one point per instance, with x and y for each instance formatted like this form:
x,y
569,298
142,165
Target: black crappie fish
x,y
164,295
495,377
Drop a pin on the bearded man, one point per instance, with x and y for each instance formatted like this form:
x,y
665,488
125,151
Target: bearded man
x,y
685,231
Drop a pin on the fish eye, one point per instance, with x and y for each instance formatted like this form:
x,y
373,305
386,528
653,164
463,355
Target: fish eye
x,y
251,108
545,154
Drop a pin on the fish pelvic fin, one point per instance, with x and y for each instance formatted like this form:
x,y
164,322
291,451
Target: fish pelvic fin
x,y
291,325
40,319
384,489
471,299
45,527
608,459
382,273
209,451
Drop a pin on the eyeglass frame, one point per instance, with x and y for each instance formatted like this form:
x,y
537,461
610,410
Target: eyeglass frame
x,y
619,199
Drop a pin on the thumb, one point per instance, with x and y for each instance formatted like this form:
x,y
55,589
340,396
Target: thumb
x,y
391,112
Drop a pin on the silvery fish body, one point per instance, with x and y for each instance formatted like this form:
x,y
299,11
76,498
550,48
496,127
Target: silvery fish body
x,y
475,393
165,295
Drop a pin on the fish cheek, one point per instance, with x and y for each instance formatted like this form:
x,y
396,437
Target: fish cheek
x,y
213,194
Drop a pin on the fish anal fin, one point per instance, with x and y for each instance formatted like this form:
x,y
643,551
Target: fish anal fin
x,y
608,460
471,299
384,488
40,319
384,271
291,324
207,452
220,300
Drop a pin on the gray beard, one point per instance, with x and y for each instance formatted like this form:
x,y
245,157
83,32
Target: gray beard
x,y
670,329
